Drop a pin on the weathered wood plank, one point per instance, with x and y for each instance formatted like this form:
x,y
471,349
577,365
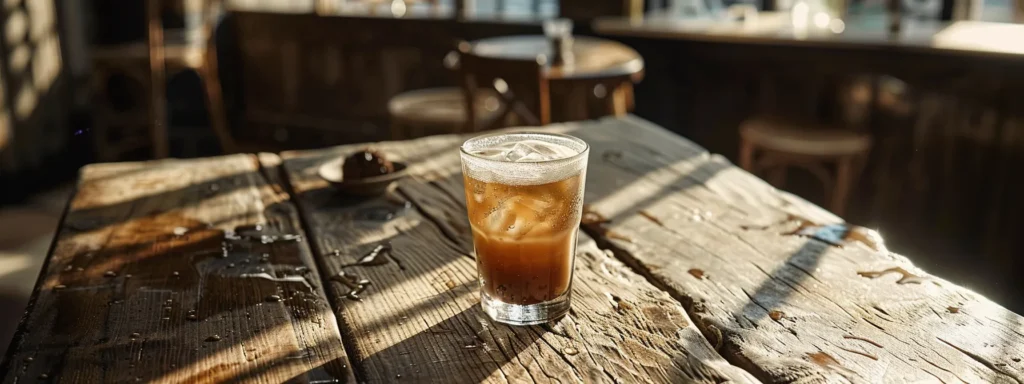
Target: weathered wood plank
x,y
787,308
420,320
145,284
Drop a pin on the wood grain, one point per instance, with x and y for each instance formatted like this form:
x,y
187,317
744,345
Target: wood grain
x,y
420,320
787,308
142,286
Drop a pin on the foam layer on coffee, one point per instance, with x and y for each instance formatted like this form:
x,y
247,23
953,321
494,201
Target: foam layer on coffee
x,y
523,158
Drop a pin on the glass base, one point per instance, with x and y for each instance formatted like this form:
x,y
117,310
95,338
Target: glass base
x,y
516,314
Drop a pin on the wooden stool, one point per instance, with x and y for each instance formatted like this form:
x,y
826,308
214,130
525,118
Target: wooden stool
x,y
774,144
435,110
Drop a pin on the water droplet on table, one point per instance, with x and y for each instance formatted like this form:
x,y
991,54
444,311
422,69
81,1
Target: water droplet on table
x,y
906,277
377,256
355,284
695,272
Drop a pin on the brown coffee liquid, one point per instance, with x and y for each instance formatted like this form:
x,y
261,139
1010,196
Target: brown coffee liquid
x,y
525,237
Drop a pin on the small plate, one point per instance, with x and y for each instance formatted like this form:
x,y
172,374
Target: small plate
x,y
370,186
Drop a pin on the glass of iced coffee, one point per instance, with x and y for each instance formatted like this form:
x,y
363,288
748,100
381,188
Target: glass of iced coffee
x,y
524,194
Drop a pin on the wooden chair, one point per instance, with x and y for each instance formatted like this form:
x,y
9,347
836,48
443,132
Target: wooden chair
x,y
164,52
768,143
521,86
435,110
493,93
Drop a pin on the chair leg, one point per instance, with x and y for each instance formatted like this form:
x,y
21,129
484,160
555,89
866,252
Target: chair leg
x,y
627,90
747,155
157,82
100,134
396,130
215,104
616,99
158,114
415,131
777,176
844,181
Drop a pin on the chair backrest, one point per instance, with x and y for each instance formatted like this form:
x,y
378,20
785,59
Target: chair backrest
x,y
520,85
201,16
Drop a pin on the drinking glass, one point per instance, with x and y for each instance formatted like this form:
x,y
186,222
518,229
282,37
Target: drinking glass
x,y
524,195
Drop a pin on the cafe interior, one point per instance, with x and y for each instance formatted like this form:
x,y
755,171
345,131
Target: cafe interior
x,y
901,116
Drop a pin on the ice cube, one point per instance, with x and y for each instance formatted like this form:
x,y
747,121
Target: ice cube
x,y
520,152
479,191
501,218
536,150
525,151
537,206
491,153
520,227
528,212
516,217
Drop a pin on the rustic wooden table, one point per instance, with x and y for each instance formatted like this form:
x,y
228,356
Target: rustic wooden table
x,y
687,271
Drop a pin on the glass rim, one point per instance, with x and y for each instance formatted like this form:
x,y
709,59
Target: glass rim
x,y
586,147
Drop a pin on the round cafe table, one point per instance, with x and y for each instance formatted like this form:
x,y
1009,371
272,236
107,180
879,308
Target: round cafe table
x,y
600,68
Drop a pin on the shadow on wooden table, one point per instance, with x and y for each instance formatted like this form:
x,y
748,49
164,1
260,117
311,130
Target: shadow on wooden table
x,y
98,217
766,297
468,340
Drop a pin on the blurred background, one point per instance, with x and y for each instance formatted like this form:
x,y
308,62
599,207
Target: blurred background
x,y
903,115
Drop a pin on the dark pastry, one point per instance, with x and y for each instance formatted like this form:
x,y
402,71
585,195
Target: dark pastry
x,y
366,163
